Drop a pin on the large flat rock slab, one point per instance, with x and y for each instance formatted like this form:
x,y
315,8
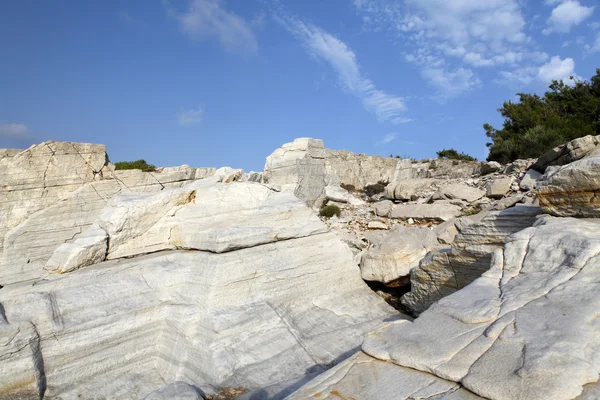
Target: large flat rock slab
x,y
525,330
213,284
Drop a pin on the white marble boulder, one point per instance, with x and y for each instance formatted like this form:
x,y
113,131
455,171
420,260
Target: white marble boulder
x,y
572,190
525,330
445,271
213,284
567,153
69,209
397,253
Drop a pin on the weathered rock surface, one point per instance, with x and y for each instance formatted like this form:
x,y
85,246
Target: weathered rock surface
x,y
436,212
525,330
490,167
38,177
408,189
399,252
498,188
365,377
445,271
458,191
175,391
572,190
236,292
567,153
360,170
528,182
67,213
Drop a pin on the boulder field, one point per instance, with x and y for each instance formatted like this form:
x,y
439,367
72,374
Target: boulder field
x,y
440,279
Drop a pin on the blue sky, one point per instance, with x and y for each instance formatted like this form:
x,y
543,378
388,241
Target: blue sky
x,y
225,82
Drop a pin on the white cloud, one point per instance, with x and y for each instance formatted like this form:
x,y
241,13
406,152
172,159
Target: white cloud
x,y
190,117
566,15
208,18
451,83
477,60
14,131
342,59
595,47
557,69
387,138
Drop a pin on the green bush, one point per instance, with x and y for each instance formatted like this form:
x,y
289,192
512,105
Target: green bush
x,y
452,154
138,164
330,210
372,190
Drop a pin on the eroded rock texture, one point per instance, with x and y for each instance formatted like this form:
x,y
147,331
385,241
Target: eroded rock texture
x,y
223,285
445,271
525,330
52,192
572,190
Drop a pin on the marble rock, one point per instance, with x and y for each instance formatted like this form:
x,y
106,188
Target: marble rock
x,y
217,285
175,391
401,250
528,182
38,177
28,246
572,190
340,195
499,187
406,190
567,153
490,167
435,212
445,271
524,330
299,167
365,377
458,191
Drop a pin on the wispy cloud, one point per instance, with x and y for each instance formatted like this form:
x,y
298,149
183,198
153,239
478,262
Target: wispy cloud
x,y
390,137
126,18
450,84
209,18
324,46
14,131
557,69
566,15
190,117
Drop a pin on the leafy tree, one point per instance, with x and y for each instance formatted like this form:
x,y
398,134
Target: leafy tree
x,y
452,154
536,123
138,164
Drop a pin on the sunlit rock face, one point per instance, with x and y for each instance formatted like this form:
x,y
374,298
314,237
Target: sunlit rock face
x,y
572,190
525,330
51,192
212,284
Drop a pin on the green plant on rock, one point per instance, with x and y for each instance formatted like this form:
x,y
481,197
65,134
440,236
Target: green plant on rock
x,y
452,154
330,210
138,164
373,189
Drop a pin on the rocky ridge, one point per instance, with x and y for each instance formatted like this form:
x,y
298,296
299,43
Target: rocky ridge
x,y
205,283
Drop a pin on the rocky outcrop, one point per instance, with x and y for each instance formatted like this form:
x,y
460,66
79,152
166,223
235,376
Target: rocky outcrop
x,y
431,212
458,191
70,207
395,255
572,190
522,331
213,284
38,177
360,170
409,189
567,153
445,271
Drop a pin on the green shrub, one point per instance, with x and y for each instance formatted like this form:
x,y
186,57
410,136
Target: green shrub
x,y
138,164
372,190
330,210
452,154
536,124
